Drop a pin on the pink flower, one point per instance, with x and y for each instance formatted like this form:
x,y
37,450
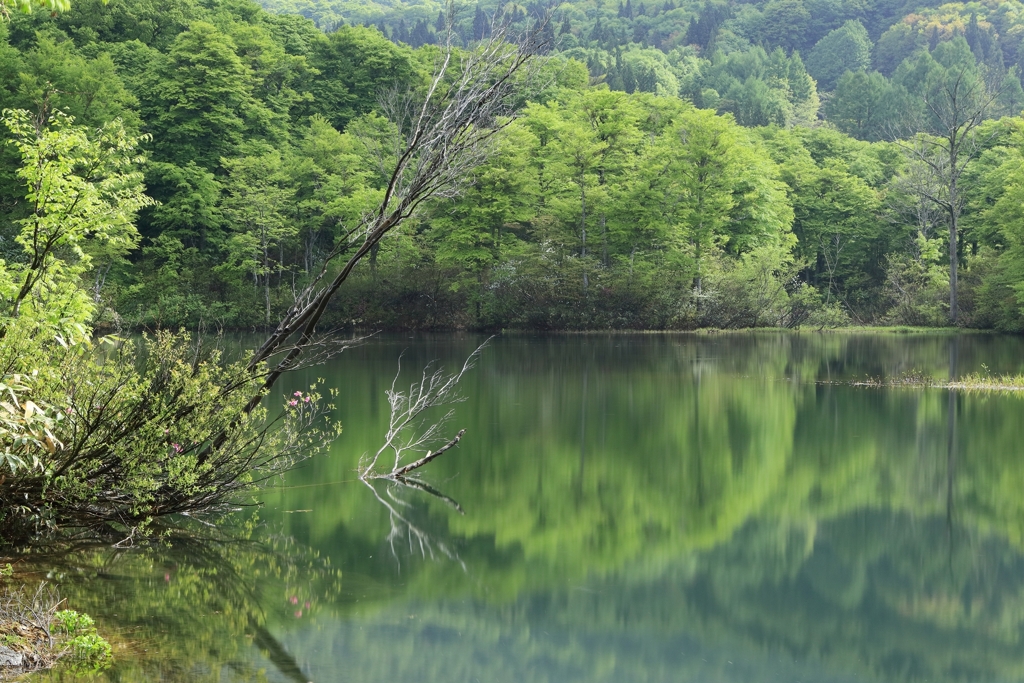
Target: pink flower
x,y
177,447
298,614
293,403
297,393
294,599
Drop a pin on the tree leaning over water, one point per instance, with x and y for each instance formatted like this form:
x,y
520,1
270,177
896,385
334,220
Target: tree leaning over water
x,y
436,142
115,436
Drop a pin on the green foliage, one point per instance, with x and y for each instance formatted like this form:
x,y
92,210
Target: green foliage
x,y
198,98
71,622
265,144
82,195
128,435
358,64
868,106
25,6
845,49
88,651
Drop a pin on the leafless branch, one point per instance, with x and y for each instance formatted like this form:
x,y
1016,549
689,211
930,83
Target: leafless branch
x,y
441,135
409,430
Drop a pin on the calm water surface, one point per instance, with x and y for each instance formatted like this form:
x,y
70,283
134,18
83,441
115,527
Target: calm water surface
x,y
635,508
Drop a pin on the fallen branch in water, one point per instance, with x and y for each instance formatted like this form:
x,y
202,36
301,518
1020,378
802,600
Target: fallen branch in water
x,y
409,430
402,471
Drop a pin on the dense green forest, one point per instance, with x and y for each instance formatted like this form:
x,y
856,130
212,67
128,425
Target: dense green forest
x,y
769,164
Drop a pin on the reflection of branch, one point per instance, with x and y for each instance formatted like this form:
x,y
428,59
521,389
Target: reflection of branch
x,y
430,490
276,652
402,526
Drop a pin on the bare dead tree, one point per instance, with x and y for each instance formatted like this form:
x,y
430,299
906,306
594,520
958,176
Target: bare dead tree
x,y
411,428
945,142
441,134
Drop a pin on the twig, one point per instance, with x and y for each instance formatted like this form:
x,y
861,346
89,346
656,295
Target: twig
x,y
401,471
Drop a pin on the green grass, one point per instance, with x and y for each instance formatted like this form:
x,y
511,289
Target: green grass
x,y
975,382
979,382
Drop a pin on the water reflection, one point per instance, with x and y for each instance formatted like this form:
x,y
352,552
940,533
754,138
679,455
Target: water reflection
x,y
693,508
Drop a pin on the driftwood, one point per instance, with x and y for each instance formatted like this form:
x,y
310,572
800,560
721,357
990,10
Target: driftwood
x,y
402,471
409,428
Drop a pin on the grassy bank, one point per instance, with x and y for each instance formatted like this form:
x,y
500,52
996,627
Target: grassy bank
x,y
974,382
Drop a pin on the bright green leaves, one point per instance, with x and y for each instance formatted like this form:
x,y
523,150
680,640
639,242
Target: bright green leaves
x,y
847,48
761,88
598,195
708,184
83,192
26,6
198,99
836,187
356,63
257,205
867,105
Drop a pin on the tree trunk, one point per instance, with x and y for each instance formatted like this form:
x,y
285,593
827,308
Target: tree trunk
x,y
604,239
954,220
583,233
953,262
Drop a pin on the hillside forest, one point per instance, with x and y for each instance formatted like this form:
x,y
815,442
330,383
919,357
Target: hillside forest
x,y
783,163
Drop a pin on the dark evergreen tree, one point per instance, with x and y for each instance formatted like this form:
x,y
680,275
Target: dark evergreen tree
x,y
441,22
973,36
705,25
692,32
400,34
421,34
566,27
481,27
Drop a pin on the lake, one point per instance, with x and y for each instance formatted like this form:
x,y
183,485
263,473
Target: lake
x,y
706,508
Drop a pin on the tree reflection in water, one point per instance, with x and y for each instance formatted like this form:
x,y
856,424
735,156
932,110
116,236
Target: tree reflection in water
x,y
735,521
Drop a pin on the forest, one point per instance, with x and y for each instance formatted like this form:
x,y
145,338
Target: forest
x,y
776,164
175,168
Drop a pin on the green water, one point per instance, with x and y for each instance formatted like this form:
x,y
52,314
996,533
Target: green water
x,y
636,508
